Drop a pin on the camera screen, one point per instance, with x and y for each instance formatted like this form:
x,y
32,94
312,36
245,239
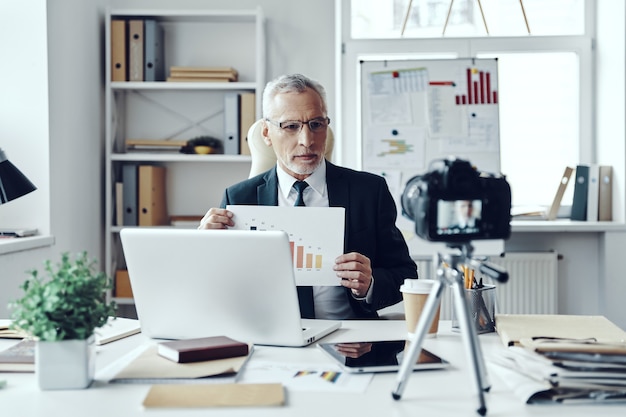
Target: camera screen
x,y
459,217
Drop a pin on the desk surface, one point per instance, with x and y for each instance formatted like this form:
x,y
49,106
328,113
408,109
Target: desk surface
x,y
432,393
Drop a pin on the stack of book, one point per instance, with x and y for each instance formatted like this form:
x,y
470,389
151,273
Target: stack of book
x,y
150,145
562,358
203,74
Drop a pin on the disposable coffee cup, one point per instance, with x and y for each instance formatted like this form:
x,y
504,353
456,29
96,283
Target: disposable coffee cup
x,y
415,293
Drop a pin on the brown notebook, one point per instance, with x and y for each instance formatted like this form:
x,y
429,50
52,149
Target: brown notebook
x,y
219,395
202,349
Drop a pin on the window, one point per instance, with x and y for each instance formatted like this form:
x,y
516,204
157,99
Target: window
x,y
544,79
375,19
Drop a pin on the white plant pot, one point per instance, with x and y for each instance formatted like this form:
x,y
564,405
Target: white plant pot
x,y
65,364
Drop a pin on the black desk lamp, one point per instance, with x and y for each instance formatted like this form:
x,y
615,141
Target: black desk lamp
x,y
13,184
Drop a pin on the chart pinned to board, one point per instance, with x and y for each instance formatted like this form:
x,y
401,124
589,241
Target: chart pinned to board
x,y
416,111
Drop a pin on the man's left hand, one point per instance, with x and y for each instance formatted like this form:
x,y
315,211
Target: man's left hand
x,y
355,271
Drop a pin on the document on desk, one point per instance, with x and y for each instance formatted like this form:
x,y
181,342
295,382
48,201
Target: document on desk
x,y
536,379
144,365
316,236
305,376
561,332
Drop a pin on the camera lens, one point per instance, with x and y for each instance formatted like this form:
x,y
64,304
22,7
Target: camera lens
x,y
409,197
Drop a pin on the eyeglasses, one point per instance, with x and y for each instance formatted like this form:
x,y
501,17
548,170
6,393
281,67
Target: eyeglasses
x,y
293,127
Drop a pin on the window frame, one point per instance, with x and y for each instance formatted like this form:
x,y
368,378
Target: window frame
x,y
351,51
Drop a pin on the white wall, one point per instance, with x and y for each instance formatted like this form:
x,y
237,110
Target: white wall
x,y
24,107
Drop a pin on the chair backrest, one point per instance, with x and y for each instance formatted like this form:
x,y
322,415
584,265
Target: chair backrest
x,y
263,156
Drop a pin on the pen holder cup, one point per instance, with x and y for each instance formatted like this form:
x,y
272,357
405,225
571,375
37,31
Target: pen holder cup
x,y
481,303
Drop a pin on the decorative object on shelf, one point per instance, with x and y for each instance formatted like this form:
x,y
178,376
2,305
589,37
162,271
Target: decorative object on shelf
x,y
61,313
203,145
13,184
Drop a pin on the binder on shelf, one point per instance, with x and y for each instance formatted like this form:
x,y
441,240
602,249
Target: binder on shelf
x,y
152,202
118,50
558,197
122,284
129,178
605,193
581,186
154,69
135,50
247,114
119,203
231,124
593,190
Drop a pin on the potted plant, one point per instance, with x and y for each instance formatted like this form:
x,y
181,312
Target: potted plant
x,y
61,311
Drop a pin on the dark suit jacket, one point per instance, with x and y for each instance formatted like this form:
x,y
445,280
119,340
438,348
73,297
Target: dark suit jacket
x,y
370,227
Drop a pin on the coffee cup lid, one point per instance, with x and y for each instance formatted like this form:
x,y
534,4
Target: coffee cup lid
x,y
417,286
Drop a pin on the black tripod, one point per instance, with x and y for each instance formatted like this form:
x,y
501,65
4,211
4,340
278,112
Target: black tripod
x,y
448,273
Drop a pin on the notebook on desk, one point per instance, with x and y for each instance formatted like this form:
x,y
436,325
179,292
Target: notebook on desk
x,y
198,283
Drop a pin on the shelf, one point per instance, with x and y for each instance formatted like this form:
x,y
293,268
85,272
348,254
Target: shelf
x,y
210,16
176,157
17,244
565,226
181,86
179,111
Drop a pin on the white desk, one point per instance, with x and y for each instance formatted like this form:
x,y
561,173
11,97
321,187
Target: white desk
x,y
434,393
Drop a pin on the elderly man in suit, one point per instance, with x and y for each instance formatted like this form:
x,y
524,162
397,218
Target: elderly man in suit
x,y
376,259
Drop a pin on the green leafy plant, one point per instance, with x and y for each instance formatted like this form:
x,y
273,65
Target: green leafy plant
x,y
68,304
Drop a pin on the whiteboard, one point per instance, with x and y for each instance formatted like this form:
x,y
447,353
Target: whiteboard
x,y
416,111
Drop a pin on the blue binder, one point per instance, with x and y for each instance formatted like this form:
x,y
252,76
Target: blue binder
x,y
581,187
154,60
129,194
231,124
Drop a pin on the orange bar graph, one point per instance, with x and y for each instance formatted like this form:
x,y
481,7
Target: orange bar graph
x,y
299,256
303,259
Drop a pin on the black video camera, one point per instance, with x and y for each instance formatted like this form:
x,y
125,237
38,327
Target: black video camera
x,y
455,203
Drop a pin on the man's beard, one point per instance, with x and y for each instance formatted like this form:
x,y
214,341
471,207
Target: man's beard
x,y
301,170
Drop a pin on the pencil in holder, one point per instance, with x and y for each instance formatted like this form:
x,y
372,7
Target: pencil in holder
x,y
481,303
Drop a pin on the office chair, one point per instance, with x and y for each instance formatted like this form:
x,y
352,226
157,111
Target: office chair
x,y
263,156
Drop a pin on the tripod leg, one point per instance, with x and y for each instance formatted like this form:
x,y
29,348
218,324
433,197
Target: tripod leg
x,y
472,345
415,345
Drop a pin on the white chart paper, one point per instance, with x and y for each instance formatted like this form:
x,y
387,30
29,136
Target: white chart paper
x,y
315,234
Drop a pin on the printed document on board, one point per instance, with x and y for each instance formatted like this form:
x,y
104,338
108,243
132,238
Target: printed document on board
x,y
315,235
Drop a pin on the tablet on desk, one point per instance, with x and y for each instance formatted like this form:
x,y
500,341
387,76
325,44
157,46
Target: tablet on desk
x,y
379,356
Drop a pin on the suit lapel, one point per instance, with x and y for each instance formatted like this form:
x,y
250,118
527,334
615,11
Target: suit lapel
x,y
267,192
339,195
338,187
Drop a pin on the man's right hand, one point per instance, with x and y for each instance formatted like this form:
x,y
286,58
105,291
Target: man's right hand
x,y
217,218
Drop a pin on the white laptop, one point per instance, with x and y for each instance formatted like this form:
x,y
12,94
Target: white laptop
x,y
238,283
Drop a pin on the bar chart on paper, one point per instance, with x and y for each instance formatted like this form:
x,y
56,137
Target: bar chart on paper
x,y
315,236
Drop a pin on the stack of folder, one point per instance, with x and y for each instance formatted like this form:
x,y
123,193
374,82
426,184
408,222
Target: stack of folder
x,y
562,358
203,74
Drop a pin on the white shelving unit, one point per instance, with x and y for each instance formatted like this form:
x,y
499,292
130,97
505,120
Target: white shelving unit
x,y
181,111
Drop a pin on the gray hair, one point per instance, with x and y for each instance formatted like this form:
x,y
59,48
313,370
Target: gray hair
x,y
289,84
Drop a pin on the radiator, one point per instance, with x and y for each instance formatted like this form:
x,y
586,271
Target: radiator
x,y
532,287
533,283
